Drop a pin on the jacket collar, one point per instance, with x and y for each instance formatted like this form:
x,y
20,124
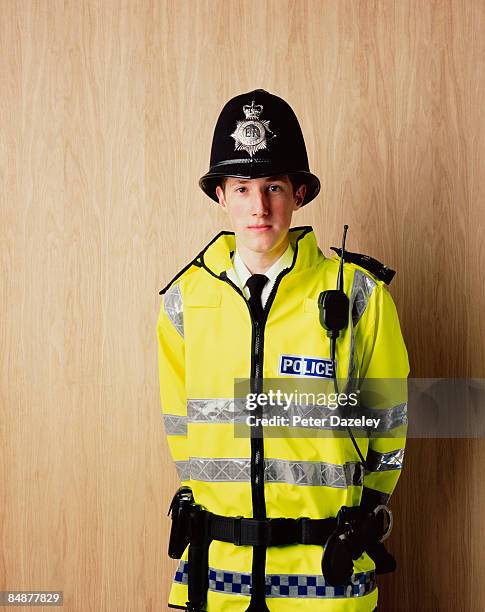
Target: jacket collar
x,y
240,269
216,256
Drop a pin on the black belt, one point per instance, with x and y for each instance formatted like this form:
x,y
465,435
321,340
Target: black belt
x,y
269,532
344,537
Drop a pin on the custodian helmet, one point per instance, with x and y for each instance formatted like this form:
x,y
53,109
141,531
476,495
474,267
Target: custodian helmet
x,y
257,134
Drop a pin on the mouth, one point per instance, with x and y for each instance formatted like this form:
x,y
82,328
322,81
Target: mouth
x,y
259,228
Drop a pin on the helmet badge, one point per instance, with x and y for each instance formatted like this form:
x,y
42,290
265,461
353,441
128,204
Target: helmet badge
x,y
251,134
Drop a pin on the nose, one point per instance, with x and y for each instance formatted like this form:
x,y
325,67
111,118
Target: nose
x,y
259,203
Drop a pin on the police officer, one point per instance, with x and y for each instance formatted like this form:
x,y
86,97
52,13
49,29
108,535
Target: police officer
x,y
292,521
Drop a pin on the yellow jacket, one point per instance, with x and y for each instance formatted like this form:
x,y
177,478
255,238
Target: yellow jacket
x,y
206,341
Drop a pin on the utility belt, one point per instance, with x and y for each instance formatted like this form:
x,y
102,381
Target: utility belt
x,y
344,538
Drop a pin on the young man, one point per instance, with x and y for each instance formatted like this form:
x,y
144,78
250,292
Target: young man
x,y
260,510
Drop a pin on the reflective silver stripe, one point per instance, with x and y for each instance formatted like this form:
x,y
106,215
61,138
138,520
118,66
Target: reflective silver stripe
x,y
381,462
175,425
362,288
213,409
228,410
389,417
282,585
183,470
220,470
173,304
313,473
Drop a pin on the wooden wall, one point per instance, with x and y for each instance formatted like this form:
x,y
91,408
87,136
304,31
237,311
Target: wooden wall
x,y
106,116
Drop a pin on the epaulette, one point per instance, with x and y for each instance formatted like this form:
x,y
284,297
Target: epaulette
x,y
194,262
368,263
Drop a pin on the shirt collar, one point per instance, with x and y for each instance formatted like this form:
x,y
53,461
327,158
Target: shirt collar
x,y
271,273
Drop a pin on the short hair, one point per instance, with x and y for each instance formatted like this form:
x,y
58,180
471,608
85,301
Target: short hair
x,y
295,180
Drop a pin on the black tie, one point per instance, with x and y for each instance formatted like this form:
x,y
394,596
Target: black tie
x,y
255,283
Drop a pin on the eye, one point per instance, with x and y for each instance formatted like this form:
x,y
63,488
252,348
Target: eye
x,y
239,189
275,188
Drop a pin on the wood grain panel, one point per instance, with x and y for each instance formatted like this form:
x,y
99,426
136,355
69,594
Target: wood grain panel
x,y
106,117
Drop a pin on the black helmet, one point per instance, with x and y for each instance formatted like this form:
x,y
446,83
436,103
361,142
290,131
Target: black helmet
x,y
257,134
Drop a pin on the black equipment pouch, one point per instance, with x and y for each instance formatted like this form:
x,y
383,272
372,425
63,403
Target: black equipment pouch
x,y
190,526
182,502
337,564
383,559
198,580
357,531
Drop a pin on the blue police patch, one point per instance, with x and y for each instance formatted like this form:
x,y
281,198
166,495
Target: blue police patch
x,y
300,365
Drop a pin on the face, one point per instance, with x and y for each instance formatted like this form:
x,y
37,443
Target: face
x,y
260,210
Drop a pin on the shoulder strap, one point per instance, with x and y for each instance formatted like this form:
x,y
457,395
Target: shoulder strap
x,y
374,266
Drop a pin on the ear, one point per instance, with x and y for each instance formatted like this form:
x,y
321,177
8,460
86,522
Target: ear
x,y
220,196
299,196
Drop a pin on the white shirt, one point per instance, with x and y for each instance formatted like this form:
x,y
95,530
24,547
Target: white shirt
x,y
239,273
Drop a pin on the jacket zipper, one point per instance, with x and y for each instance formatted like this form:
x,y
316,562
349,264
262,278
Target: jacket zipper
x,y
257,443
257,358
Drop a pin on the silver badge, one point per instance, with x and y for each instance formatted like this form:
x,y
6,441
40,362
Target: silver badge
x,y
251,134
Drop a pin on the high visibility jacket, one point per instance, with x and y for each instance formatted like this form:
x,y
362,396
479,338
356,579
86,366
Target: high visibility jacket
x,y
206,341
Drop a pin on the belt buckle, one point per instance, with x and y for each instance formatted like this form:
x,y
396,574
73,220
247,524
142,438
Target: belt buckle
x,y
281,527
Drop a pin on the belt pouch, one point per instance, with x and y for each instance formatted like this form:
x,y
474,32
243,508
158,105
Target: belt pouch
x,y
198,578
